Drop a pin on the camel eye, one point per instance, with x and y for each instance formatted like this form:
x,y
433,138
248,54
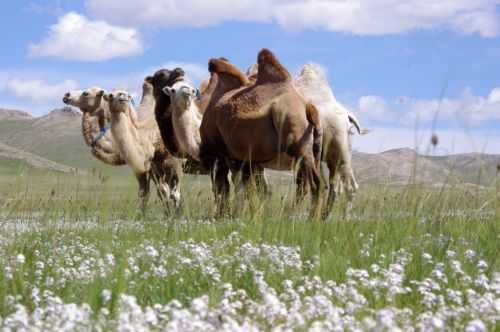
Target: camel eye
x,y
85,94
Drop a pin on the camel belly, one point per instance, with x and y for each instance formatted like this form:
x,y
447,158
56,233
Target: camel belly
x,y
282,163
251,140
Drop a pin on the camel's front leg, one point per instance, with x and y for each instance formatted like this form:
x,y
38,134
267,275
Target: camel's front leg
x,y
143,180
221,187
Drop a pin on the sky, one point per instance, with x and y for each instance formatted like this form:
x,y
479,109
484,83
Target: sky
x,y
406,69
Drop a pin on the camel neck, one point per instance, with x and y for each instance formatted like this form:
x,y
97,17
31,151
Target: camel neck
x,y
127,141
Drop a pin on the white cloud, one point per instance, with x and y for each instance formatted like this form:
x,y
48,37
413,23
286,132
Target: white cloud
x,y
74,37
194,71
38,90
361,17
466,110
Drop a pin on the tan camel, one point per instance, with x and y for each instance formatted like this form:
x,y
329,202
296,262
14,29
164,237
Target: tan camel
x,y
259,124
140,145
95,123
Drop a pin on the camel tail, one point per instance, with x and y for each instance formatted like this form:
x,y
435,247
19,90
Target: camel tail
x,y
354,121
312,115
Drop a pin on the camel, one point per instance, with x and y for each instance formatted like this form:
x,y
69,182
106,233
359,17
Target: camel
x,y
140,145
186,117
337,123
163,114
95,123
258,124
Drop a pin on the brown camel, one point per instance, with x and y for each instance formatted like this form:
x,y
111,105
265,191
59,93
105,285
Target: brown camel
x,y
258,124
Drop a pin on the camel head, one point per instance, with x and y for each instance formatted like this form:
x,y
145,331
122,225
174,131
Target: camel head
x,y
147,86
119,101
163,78
182,94
88,100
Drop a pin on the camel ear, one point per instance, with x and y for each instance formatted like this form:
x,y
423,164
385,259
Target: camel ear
x,y
108,97
101,93
149,79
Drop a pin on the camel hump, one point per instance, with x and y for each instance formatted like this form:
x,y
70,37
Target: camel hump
x,y
270,70
223,66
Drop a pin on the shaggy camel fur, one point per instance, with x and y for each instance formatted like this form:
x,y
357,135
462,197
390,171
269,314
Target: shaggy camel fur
x,y
258,124
186,117
140,145
95,123
336,122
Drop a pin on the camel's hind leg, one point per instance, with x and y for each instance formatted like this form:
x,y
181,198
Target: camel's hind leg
x,y
253,177
309,176
349,183
333,189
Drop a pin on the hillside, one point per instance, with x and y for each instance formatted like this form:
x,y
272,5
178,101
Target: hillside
x,y
15,157
401,166
55,136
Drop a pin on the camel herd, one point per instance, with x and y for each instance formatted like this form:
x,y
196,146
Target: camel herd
x,y
235,123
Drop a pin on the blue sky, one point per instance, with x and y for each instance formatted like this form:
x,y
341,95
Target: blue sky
x,y
394,64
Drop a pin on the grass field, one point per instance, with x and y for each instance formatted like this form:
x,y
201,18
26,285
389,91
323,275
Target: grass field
x,y
76,255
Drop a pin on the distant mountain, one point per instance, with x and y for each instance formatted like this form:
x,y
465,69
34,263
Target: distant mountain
x,y
7,114
402,166
57,137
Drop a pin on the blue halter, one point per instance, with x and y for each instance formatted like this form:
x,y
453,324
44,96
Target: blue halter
x,y
102,132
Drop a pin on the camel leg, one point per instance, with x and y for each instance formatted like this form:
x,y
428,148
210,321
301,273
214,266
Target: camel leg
x,y
171,181
253,176
143,180
333,184
309,176
348,180
351,186
221,185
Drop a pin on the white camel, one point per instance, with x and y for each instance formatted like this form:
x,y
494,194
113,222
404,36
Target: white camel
x,y
186,117
337,123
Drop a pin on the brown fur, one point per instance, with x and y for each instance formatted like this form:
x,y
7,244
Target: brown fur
x,y
257,123
270,70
